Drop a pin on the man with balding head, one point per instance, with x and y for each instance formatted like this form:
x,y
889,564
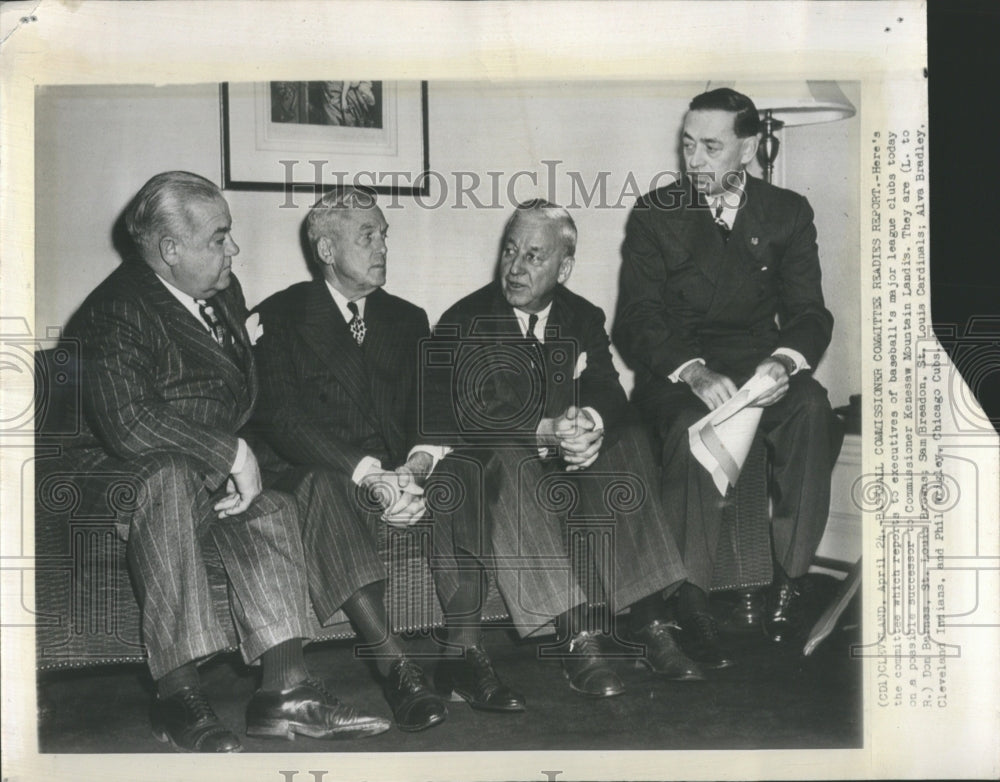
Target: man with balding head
x,y
168,382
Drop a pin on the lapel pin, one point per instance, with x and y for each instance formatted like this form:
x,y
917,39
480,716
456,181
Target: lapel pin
x,y
763,268
754,241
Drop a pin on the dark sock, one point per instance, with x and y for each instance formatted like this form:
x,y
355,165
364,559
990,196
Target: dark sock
x,y
649,609
366,610
463,614
691,600
283,666
177,679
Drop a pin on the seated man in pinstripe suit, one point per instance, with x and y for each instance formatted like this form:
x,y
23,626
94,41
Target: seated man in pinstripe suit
x,y
169,381
519,379
338,358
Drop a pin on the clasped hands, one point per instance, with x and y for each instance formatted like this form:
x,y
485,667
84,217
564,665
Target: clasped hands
x,y
715,389
400,492
576,434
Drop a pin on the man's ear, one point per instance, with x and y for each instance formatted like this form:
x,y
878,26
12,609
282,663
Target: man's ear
x,y
324,250
565,269
749,149
168,250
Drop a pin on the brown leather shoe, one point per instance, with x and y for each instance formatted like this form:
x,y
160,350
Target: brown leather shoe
x,y
308,709
187,720
414,706
473,680
586,669
663,655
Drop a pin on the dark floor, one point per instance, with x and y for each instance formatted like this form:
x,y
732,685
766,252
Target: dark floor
x,y
773,698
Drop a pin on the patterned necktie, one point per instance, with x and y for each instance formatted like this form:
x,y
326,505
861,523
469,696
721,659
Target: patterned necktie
x,y
724,229
357,324
215,325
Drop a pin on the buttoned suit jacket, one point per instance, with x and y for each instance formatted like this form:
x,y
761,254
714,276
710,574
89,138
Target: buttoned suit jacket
x,y
164,405
485,391
154,379
323,400
684,293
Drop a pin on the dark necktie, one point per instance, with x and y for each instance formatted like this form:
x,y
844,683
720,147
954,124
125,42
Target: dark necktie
x,y
215,325
357,324
532,322
724,229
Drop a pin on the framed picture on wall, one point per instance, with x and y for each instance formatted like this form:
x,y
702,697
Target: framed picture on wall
x,y
287,135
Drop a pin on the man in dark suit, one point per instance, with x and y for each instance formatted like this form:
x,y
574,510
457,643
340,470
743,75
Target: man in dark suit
x,y
338,358
721,281
169,381
519,379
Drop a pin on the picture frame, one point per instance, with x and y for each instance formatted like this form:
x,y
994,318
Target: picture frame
x,y
290,135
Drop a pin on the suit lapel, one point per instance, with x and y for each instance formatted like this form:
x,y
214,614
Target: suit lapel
x,y
190,336
741,250
382,349
695,230
328,336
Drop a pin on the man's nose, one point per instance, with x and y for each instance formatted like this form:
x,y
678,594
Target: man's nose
x,y
696,158
231,247
517,266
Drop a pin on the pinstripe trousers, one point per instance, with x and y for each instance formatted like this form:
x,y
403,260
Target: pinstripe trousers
x,y
260,550
554,539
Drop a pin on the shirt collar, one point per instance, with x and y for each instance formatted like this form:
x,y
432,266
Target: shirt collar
x,y
188,302
543,317
341,301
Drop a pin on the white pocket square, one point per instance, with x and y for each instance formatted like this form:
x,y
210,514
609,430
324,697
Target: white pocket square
x,y
581,365
255,330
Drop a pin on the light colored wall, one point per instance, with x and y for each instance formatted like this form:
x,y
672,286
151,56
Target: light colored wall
x,y
95,146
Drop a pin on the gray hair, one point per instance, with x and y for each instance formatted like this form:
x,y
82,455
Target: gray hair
x,y
161,207
330,210
548,211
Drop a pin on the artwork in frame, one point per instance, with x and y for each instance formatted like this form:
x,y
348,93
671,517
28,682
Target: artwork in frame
x,y
286,135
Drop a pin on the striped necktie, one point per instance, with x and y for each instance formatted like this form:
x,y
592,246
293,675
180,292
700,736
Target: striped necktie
x,y
215,325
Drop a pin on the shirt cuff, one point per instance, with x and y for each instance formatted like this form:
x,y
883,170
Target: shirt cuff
x,y
595,416
436,452
241,456
800,360
675,377
367,465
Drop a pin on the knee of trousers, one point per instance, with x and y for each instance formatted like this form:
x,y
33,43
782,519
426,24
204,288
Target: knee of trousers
x,y
170,471
810,400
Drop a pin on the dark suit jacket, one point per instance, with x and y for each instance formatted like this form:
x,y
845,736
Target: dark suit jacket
x,y
154,379
481,386
324,400
684,293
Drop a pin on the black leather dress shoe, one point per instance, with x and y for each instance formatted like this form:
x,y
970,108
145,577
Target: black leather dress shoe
x,y
310,710
783,608
473,680
700,641
663,655
187,721
587,671
413,704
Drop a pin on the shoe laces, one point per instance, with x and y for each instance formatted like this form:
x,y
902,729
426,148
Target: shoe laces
x,y
481,662
586,642
320,686
706,626
195,702
409,674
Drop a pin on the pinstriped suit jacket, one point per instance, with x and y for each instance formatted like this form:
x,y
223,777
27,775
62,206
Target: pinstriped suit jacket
x,y
325,401
154,379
